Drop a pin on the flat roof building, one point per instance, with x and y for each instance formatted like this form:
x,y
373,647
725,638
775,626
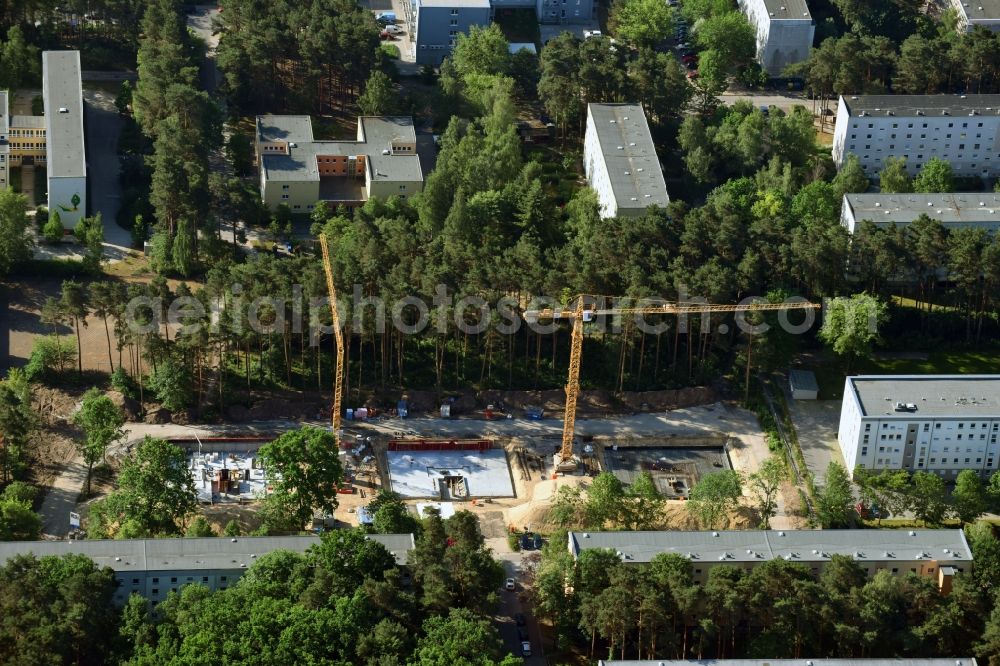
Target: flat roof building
x,y
437,24
784,29
954,211
54,140
972,13
923,552
963,130
620,160
935,423
155,567
62,95
299,171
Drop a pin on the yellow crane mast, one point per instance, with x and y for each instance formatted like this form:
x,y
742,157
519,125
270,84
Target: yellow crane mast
x,y
338,382
580,314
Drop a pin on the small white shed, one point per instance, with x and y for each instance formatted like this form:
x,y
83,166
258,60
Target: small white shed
x,y
803,384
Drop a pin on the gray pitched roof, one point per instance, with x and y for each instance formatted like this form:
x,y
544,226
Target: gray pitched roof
x,y
934,395
948,209
629,153
793,545
176,554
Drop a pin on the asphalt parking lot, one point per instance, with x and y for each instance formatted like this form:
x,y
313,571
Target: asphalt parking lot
x,y
816,423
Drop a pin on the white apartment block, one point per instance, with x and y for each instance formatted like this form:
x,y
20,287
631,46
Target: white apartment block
x,y
784,30
620,160
954,211
972,13
964,130
931,423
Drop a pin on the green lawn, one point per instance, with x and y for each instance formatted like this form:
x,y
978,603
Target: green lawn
x,y
830,375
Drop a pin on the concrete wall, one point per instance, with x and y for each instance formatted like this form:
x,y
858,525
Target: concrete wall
x,y
840,132
563,11
596,170
298,193
437,27
385,189
850,423
61,192
788,42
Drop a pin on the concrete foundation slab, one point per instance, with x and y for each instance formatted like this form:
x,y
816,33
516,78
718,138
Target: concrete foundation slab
x,y
450,474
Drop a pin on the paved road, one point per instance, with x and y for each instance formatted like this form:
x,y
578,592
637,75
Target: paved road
x,y
103,125
61,498
782,100
200,22
511,604
89,75
697,420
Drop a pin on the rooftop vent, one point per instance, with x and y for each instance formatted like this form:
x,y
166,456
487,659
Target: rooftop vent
x,y
386,151
621,147
912,533
781,534
586,535
292,144
233,540
613,121
628,173
63,109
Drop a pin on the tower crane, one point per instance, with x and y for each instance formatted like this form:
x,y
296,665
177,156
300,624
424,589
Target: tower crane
x,y
581,313
338,382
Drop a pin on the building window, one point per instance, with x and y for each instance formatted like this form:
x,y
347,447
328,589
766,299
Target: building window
x,y
156,580
135,581
173,580
454,22
204,579
284,196
156,591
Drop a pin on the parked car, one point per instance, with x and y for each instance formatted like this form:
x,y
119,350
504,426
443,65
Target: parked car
x,y
519,619
522,634
386,17
587,34
536,541
525,648
509,584
693,74
527,541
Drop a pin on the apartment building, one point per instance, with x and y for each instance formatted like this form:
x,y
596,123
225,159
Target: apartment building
x,y
299,171
948,661
962,129
938,554
982,13
953,211
932,423
437,24
155,567
785,31
620,160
